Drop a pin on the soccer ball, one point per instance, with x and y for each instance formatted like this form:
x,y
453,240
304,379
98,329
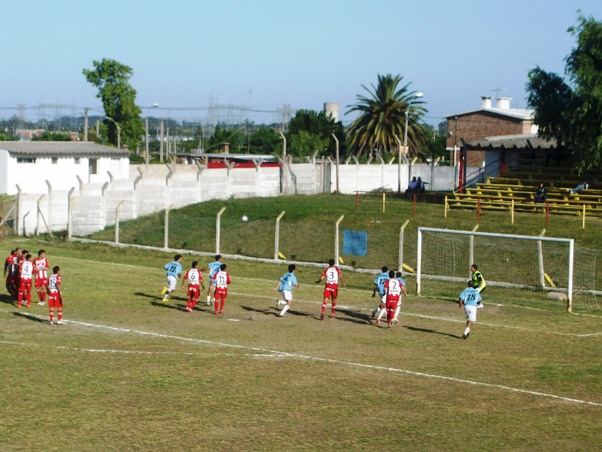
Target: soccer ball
x,y
244,218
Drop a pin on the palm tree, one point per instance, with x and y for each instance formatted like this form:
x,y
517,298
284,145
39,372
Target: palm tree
x,y
382,118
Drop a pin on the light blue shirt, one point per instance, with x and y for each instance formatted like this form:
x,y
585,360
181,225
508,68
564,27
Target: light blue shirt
x,y
380,281
287,282
214,267
173,268
470,296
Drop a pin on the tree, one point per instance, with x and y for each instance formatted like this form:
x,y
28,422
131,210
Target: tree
x,y
310,131
264,140
571,111
222,134
53,136
382,118
118,99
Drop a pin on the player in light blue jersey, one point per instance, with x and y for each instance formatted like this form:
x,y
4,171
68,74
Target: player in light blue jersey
x,y
379,286
285,287
469,299
173,269
213,268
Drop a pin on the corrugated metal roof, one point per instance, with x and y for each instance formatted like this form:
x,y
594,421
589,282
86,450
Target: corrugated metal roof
x,y
61,149
513,141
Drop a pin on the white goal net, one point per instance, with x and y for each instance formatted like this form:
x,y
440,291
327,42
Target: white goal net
x,y
518,269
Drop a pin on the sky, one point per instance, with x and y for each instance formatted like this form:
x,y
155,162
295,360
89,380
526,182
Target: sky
x,y
187,55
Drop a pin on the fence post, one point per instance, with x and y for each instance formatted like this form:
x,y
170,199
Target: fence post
x,y
401,230
445,209
117,209
542,280
166,228
70,200
49,224
218,223
336,239
277,235
471,248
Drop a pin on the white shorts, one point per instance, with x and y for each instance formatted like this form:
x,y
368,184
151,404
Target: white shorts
x,y
171,283
287,295
383,298
471,313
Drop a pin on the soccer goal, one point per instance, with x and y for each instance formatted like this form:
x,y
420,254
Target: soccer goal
x,y
517,268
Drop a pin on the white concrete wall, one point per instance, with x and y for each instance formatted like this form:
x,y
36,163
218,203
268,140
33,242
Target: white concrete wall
x,y
153,188
62,175
3,170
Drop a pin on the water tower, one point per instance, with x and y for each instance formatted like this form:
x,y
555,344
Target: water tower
x,y
332,109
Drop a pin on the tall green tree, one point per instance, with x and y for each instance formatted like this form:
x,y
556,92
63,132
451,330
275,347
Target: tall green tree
x,y
118,100
571,110
223,134
310,131
382,118
265,140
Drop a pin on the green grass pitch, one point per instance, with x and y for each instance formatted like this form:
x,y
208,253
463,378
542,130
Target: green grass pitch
x,y
130,372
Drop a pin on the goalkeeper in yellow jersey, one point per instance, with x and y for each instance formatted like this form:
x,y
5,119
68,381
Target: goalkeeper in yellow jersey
x,y
478,281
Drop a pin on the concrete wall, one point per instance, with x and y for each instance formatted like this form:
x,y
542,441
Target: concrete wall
x,y
63,174
153,188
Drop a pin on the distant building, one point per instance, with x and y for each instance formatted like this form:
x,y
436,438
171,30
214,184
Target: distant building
x,y
487,121
492,138
33,165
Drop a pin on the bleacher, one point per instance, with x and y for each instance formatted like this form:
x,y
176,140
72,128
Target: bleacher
x,y
517,190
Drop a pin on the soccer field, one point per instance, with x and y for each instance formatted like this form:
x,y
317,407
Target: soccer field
x,y
130,372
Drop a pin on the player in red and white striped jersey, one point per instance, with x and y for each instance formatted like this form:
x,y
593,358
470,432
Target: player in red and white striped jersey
x,y
41,267
194,278
331,291
25,280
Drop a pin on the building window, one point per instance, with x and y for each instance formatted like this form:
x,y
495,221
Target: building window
x,y
55,160
26,159
76,160
93,166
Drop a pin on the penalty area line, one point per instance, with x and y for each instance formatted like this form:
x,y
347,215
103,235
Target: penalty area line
x,y
263,351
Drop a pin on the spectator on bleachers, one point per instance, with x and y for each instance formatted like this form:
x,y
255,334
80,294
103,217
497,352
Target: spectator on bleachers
x,y
420,185
584,185
540,194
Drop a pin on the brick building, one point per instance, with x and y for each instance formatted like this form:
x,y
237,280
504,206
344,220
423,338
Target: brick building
x,y
485,122
482,137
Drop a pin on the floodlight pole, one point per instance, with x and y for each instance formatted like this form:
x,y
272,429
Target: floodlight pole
x,y
405,134
283,185
147,155
398,164
118,131
337,162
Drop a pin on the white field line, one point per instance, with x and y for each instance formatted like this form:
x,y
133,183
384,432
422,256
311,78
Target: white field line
x,y
263,351
127,352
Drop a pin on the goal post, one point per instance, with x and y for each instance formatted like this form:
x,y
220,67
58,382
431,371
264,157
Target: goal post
x,y
508,261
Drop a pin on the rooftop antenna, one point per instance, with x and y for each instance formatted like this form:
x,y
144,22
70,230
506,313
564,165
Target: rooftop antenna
x,y
497,91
